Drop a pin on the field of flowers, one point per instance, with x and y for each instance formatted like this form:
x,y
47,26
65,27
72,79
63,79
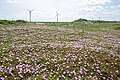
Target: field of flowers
x,y
60,52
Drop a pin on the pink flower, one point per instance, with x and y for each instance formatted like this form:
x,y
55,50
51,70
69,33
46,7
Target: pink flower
x,y
29,78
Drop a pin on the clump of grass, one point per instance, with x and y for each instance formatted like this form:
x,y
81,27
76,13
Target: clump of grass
x,y
117,28
98,40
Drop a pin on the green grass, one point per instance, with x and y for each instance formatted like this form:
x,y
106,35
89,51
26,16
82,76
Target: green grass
x,y
85,25
117,28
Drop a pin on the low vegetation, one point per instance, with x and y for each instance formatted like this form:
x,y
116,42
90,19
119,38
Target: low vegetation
x,y
60,51
5,22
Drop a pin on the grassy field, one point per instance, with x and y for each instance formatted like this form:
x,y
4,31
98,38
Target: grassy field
x,y
60,51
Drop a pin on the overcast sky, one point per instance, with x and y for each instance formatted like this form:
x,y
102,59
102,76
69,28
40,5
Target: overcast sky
x,y
69,10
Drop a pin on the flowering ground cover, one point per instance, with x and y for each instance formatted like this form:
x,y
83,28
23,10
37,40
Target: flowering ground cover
x,y
60,52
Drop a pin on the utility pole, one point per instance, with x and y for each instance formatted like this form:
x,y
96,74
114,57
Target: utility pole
x,y
30,11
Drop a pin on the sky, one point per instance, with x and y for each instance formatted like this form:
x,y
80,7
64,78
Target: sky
x,y
69,10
